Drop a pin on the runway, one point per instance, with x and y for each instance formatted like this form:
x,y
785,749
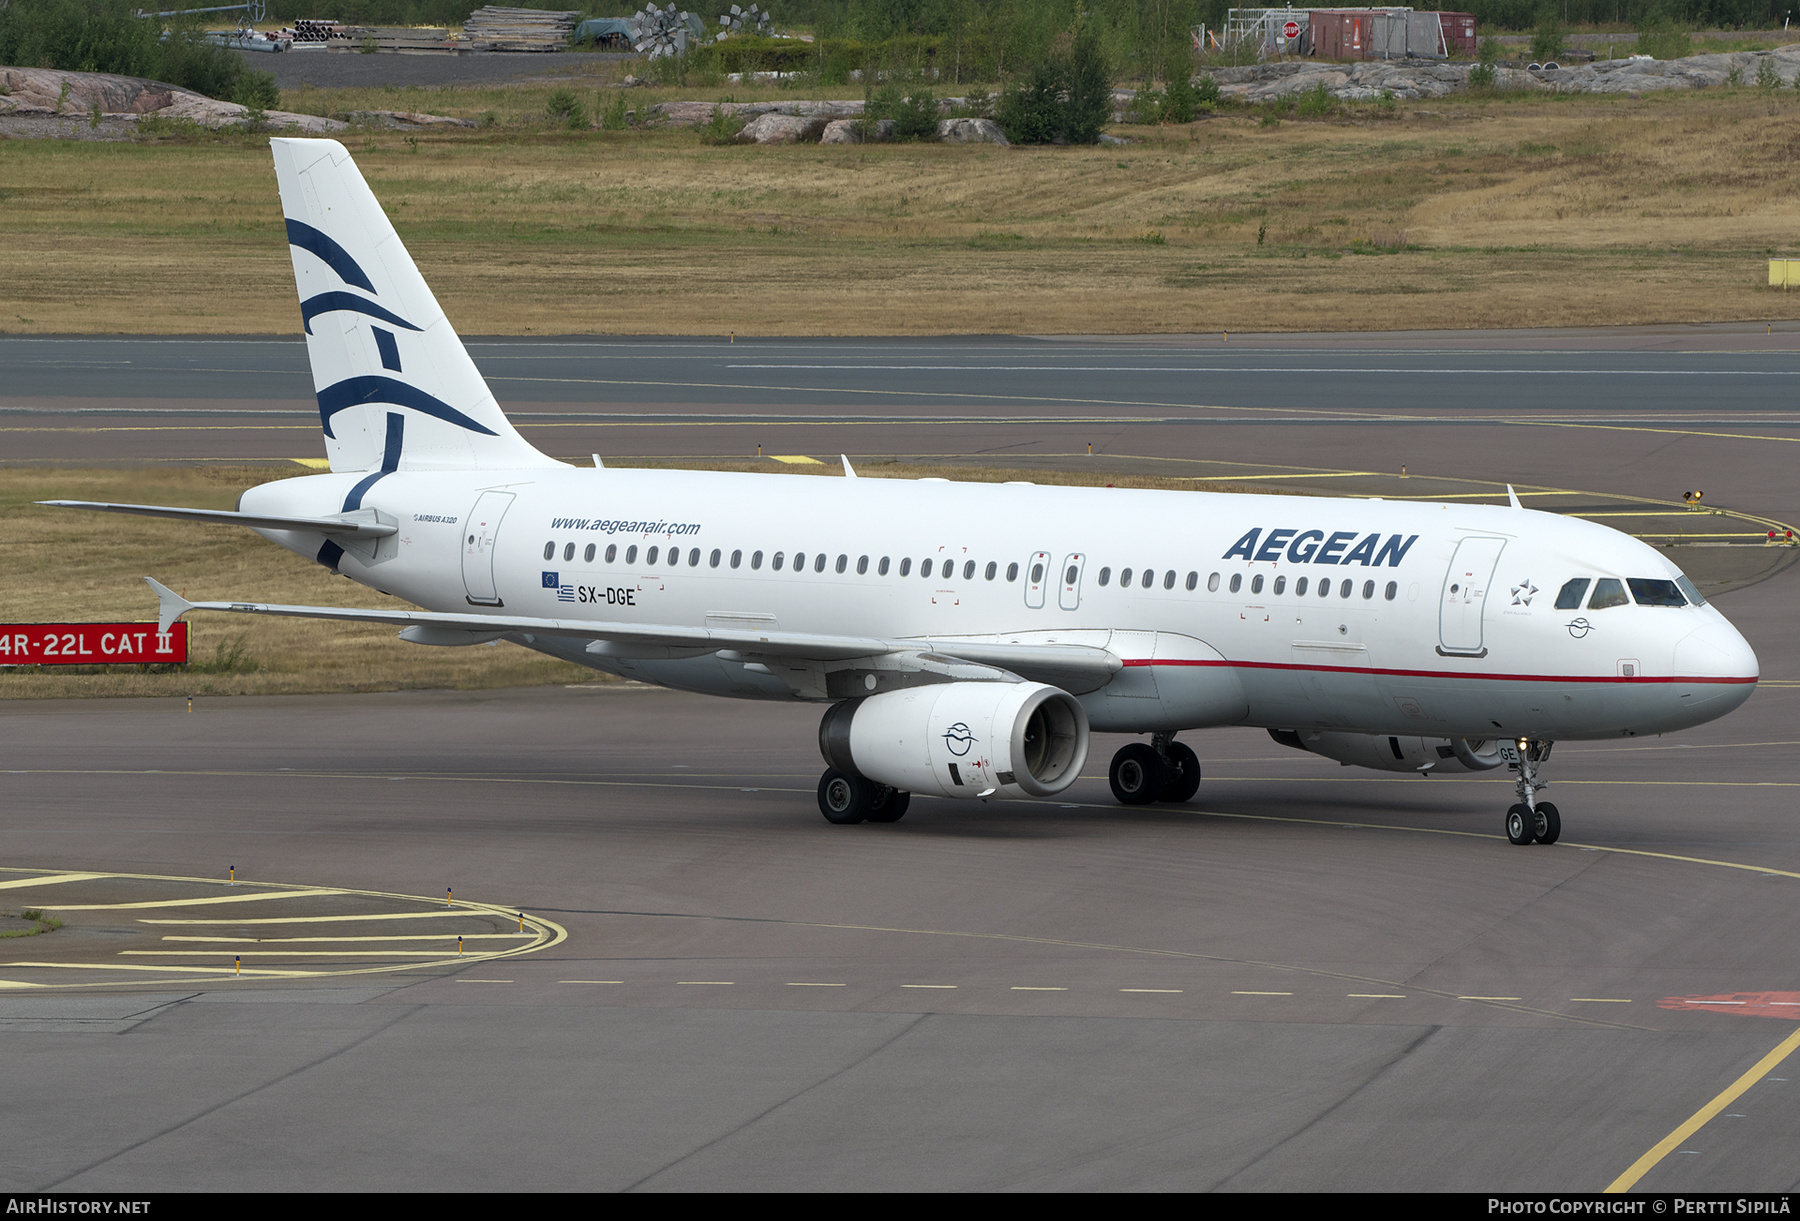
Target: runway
x,y
1309,978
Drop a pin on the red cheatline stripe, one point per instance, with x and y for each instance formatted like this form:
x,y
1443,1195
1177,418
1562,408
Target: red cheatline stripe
x,y
1529,678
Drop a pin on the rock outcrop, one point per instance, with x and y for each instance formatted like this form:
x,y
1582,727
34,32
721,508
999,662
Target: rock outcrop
x,y
971,131
51,92
782,129
1414,79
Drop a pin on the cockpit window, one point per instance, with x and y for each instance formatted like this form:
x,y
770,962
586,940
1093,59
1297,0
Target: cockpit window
x,y
1646,591
1608,591
1572,594
1691,590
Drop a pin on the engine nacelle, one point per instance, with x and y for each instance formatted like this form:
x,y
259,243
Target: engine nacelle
x,y
961,739
1395,754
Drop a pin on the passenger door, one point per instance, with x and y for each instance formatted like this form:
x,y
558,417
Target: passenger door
x,y
1464,597
479,536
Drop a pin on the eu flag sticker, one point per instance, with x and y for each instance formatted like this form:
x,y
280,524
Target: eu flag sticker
x,y
551,580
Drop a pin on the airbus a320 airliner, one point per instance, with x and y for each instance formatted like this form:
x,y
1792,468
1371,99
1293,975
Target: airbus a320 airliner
x,y
963,638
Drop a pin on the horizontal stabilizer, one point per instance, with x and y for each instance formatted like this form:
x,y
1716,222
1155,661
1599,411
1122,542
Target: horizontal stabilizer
x,y
354,528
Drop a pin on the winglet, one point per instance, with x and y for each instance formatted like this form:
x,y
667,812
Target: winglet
x,y
172,605
1512,497
845,459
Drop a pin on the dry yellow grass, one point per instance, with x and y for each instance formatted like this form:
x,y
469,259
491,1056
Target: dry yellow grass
x,y
1585,211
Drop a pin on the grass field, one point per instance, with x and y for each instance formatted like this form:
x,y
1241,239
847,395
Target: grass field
x,y
1540,211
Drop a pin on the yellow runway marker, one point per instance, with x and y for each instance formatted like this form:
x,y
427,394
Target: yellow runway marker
x,y
316,464
49,879
1599,1000
1699,1119
928,985
1376,996
1024,989
708,983
796,459
590,981
1490,998
1162,991
1262,993
484,981
818,985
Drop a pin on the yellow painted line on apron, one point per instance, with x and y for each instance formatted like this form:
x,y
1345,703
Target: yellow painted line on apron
x,y
258,897
335,940
437,954
1700,1118
50,879
132,966
436,915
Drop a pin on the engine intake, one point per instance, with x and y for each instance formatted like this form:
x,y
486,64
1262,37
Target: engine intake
x,y
961,739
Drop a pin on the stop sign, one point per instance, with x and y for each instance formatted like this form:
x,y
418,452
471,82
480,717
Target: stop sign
x,y
1291,29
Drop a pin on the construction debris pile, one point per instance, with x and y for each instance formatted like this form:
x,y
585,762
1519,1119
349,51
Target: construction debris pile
x,y
493,28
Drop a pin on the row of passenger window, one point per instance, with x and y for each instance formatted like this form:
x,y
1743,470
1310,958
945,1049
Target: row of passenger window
x,y
672,558
1610,591
1144,578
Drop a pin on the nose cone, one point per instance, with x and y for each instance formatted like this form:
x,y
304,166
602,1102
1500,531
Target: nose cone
x,y
1720,664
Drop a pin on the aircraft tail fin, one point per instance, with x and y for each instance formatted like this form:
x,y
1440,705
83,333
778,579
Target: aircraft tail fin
x,y
396,388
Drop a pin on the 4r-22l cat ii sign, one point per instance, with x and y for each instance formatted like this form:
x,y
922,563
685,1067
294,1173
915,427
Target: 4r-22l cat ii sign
x,y
91,644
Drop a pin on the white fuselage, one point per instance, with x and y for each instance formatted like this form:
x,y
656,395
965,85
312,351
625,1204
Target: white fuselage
x,y
1370,616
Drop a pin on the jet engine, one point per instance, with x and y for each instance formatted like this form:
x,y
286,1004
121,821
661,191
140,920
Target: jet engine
x,y
1395,754
961,739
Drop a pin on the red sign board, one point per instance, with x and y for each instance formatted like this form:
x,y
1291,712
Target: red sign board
x,y
90,644
1291,29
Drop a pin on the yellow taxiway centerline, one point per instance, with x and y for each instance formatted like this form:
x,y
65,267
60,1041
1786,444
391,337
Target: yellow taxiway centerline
x,y
1699,1119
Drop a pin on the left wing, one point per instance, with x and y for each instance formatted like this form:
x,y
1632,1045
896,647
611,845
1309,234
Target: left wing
x,y
803,658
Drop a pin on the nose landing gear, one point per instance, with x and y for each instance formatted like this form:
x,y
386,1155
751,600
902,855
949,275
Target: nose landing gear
x,y
1530,820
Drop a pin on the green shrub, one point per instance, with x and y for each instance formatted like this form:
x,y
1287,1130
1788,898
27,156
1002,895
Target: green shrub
x,y
612,118
563,106
1063,99
1547,38
1659,37
1484,76
1315,102
257,90
1767,77
1181,100
722,128
1146,107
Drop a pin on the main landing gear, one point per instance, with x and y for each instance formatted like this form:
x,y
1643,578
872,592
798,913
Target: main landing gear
x,y
1530,820
845,799
1161,769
